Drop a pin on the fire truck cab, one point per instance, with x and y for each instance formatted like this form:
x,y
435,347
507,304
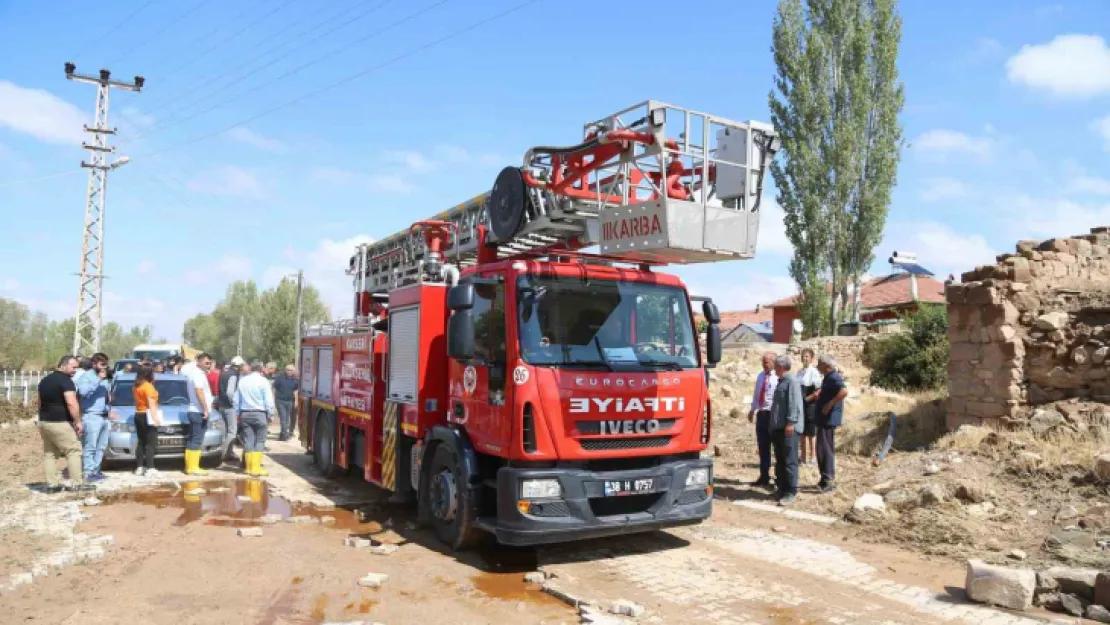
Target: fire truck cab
x,y
505,382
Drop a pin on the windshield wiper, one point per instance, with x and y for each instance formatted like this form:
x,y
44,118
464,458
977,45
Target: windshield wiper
x,y
669,365
588,363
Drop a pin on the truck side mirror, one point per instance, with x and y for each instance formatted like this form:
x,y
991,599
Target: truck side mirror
x,y
460,333
461,296
712,344
710,312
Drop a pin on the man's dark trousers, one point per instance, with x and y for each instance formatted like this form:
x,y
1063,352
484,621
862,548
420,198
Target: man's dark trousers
x,y
786,461
826,454
763,441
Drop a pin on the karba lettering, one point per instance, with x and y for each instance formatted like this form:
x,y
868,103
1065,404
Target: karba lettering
x,y
634,227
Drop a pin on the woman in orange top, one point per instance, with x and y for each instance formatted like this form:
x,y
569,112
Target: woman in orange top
x,y
146,421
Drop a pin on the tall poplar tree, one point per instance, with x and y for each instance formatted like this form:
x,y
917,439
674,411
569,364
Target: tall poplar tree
x,y
835,104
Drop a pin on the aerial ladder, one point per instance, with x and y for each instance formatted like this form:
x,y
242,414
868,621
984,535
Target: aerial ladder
x,y
653,183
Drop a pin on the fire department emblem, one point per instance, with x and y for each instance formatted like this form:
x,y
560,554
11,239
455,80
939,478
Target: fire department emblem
x,y
470,379
520,374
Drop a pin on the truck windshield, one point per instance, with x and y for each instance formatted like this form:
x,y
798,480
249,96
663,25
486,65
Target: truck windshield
x,y
602,323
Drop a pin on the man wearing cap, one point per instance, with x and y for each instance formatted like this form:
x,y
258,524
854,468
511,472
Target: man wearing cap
x,y
229,380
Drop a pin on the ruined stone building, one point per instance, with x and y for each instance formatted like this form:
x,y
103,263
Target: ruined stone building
x,y
1032,329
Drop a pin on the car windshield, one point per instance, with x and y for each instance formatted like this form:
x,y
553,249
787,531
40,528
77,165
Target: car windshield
x,y
572,322
155,355
170,392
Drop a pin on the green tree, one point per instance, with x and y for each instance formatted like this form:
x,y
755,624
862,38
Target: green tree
x,y
267,318
15,334
916,359
836,103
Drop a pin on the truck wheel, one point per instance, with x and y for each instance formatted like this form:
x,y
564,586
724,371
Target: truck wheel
x,y
323,446
452,511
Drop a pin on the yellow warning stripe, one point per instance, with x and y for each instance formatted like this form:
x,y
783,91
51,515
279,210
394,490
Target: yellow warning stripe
x,y
321,404
389,446
409,428
355,413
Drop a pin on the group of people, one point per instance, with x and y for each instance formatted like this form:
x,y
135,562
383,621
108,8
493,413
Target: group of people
x,y
792,410
75,412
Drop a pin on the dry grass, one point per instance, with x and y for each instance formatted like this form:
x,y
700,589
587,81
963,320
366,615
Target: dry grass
x,y
919,421
14,411
1050,454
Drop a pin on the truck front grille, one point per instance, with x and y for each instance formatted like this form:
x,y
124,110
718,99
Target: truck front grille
x,y
609,444
593,428
691,496
630,504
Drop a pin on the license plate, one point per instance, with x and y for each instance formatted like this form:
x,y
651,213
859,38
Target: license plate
x,y
618,488
172,441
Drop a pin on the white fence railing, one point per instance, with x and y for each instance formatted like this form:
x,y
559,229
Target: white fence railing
x,y
20,386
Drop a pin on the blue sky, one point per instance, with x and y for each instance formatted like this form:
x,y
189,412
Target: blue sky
x,y
1007,115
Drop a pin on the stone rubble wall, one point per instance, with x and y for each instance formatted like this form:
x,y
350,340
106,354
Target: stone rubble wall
x,y
1032,329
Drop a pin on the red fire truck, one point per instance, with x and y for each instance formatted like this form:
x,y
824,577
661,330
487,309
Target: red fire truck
x,y
505,381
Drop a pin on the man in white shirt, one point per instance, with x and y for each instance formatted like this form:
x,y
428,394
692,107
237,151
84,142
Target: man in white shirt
x,y
196,376
762,398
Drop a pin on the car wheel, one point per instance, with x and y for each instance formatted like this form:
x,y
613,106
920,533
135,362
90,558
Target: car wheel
x,y
451,508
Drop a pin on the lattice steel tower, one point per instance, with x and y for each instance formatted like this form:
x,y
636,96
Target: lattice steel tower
x,y
86,333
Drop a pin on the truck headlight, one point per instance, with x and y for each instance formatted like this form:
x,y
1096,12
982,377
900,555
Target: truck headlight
x,y
540,489
697,478
127,428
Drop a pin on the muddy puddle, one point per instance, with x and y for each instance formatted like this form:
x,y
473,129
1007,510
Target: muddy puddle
x,y
502,572
243,503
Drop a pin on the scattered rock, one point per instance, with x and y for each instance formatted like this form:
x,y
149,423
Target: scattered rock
x,y
1018,554
373,580
717,451
327,520
778,529
357,542
1102,589
1052,321
1028,460
735,413
270,519
932,468
1102,468
1097,613
1049,601
1073,605
980,510
1099,355
219,489
869,502
90,501
250,532
883,487
243,499
20,579
932,494
1066,513
535,577
624,607
996,585
591,616
726,392
302,520
1044,421
383,550
970,493
1080,582
1096,518
195,492
992,544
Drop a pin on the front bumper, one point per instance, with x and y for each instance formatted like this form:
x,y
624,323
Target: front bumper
x,y
584,511
121,445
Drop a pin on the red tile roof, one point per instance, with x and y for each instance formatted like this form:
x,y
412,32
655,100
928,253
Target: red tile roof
x,y
887,292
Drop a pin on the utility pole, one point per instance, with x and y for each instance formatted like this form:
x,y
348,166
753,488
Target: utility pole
x,y
239,344
297,340
90,288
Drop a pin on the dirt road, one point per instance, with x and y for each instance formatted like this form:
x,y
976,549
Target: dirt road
x,y
149,552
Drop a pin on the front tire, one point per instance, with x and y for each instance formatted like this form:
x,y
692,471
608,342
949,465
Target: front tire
x,y
450,504
323,446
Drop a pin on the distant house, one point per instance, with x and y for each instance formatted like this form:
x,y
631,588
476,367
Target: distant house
x,y
882,298
745,326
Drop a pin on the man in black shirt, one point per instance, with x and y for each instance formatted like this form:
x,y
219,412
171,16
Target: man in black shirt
x,y
60,424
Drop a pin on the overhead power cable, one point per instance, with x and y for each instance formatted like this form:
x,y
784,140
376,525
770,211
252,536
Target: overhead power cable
x,y
158,34
233,35
12,183
167,123
113,29
351,77
197,94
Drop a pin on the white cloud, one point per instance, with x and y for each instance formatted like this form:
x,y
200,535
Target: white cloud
x,y
772,230
1069,66
409,160
40,114
455,154
939,248
249,137
228,268
375,183
1102,127
1031,217
1091,184
324,269
940,189
745,289
146,267
941,142
228,180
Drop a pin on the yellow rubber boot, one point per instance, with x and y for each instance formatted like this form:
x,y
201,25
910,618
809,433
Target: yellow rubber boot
x,y
192,463
248,460
258,470
254,491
